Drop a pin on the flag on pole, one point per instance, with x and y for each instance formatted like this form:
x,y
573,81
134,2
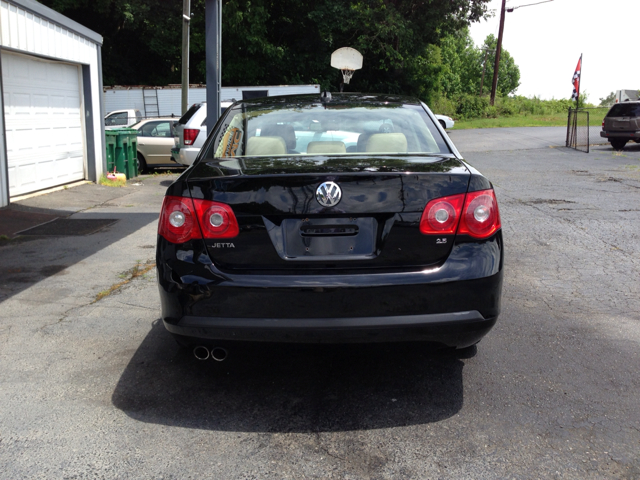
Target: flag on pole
x,y
576,80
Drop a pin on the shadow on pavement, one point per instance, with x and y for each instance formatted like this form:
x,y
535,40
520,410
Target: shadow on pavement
x,y
27,261
290,388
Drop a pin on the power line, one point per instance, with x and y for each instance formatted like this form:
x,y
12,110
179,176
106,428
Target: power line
x,y
511,9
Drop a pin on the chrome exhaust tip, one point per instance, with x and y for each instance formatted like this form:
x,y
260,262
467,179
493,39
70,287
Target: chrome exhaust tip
x,y
200,352
219,354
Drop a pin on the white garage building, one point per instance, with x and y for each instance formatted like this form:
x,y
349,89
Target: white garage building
x,y
51,122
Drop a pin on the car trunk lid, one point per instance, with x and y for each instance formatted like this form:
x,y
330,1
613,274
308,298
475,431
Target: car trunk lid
x,y
283,226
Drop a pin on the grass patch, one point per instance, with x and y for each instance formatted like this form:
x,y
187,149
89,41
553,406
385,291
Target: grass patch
x,y
111,183
547,120
551,120
138,270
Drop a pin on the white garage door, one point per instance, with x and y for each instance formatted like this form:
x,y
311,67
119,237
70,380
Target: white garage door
x,y
43,120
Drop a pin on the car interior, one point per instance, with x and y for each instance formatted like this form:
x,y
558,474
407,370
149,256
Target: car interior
x,y
358,130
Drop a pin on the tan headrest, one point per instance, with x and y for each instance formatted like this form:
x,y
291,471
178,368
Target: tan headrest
x,y
326,147
387,143
285,131
258,146
362,141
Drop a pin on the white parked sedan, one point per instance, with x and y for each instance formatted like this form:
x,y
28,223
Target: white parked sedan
x,y
446,122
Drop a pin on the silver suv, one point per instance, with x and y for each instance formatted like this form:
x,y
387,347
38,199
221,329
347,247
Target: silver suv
x,y
190,132
622,124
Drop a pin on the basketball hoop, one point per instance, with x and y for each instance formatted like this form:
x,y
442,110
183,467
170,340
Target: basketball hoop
x,y
347,60
347,73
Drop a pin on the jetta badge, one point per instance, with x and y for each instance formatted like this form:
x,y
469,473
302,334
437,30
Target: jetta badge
x,y
328,194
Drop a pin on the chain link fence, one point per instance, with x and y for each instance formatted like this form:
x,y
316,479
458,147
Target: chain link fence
x,y
578,129
584,126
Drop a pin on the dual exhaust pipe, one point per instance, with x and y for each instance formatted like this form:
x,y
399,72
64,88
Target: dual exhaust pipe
x,y
219,354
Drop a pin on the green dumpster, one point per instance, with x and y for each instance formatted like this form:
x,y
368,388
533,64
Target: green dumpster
x,y
122,151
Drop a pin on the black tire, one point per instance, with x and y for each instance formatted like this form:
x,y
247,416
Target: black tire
x,y
466,352
142,164
618,144
460,353
444,126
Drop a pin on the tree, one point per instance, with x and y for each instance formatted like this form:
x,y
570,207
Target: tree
x,y
462,64
280,41
608,100
141,38
508,73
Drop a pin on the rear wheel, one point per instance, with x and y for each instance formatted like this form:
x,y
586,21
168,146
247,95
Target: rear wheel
x,y
618,144
467,352
444,125
142,164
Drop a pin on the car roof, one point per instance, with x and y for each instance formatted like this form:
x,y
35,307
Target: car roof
x,y
337,98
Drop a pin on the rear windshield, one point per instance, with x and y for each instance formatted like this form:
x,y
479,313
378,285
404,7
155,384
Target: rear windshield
x,y
190,113
271,130
625,110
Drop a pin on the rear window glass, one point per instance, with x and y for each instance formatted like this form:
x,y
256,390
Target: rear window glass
x,y
190,113
204,122
625,110
271,130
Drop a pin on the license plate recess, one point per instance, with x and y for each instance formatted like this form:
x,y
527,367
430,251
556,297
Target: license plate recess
x,y
329,238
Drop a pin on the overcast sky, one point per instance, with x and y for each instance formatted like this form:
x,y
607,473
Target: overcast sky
x,y
546,41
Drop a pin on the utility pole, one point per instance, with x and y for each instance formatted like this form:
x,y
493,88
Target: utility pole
x,y
186,21
499,47
494,86
213,42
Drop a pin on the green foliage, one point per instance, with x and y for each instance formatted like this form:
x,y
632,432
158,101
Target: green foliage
x,y
142,38
461,64
287,41
467,106
608,100
508,72
456,74
582,101
472,106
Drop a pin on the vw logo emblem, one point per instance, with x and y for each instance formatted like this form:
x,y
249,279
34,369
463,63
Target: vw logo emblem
x,y
328,194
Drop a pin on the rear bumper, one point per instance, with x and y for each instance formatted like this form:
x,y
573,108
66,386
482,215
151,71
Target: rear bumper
x,y
187,155
456,329
454,305
628,135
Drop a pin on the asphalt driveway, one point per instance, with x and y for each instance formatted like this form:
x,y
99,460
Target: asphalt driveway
x,y
517,138
92,386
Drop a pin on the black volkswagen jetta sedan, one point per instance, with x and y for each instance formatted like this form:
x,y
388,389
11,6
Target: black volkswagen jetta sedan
x,y
333,218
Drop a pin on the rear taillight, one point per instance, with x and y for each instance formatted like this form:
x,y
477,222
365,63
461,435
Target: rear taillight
x,y
475,214
190,135
177,220
480,215
183,219
441,215
217,220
